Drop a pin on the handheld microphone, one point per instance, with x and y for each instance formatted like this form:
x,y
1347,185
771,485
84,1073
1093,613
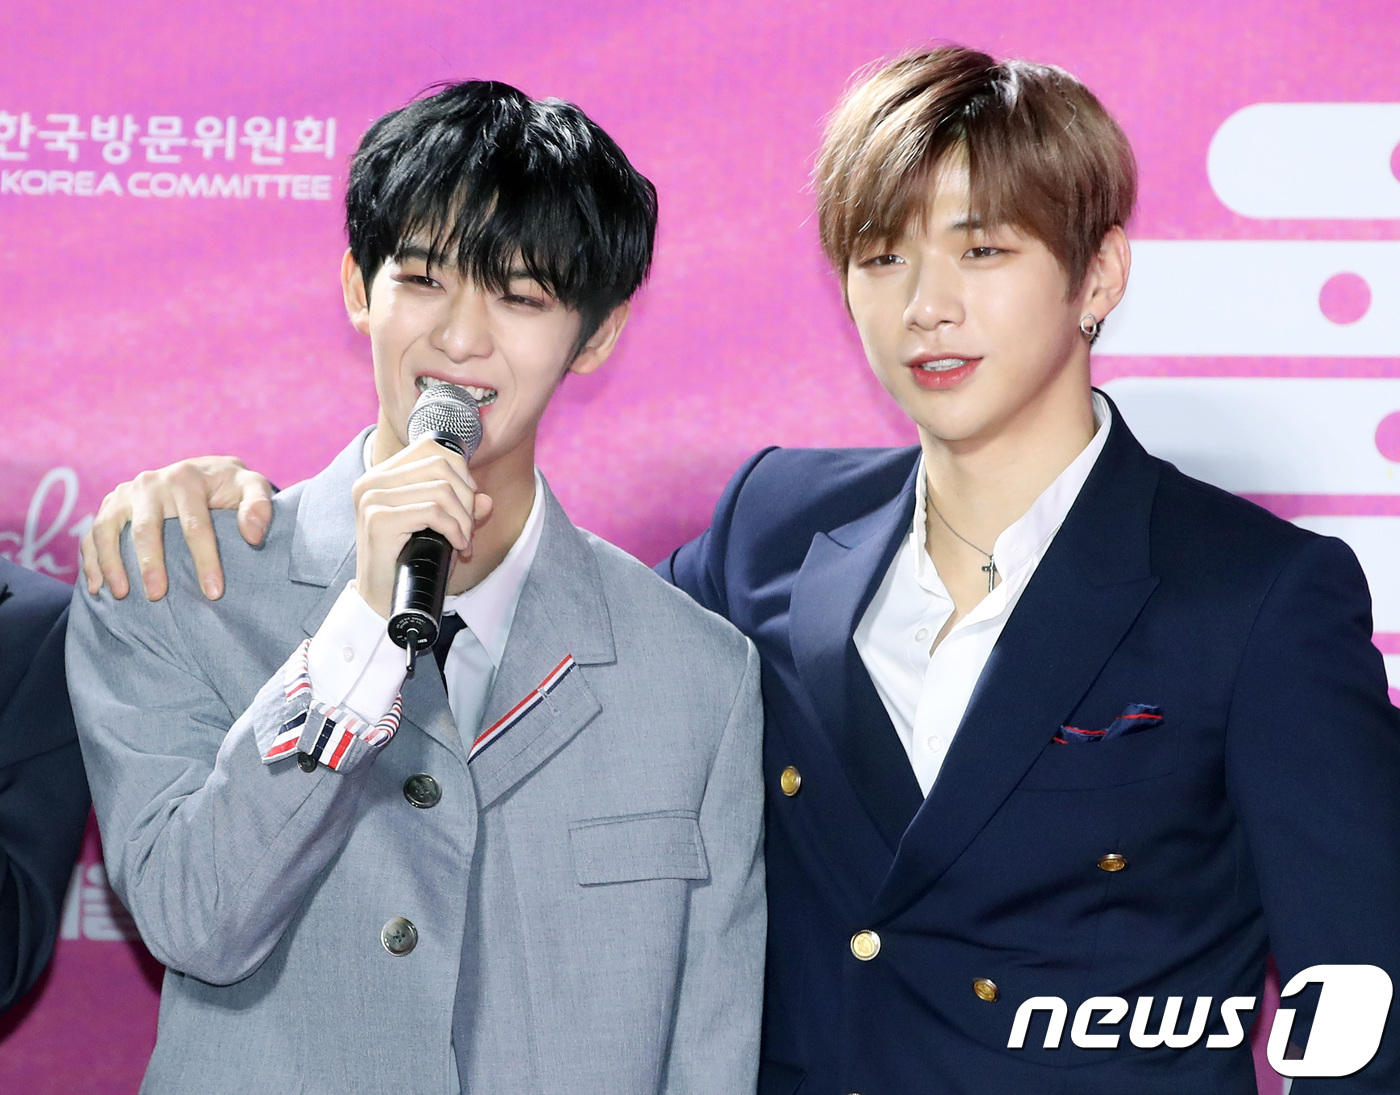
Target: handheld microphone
x,y
448,414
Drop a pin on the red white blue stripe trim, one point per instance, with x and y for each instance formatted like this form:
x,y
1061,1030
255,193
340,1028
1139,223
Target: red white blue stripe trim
x,y
321,730
497,729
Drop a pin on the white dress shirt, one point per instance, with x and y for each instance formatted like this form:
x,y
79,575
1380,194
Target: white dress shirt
x,y
926,694
353,663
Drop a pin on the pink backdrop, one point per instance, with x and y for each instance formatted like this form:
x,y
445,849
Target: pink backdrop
x,y
170,288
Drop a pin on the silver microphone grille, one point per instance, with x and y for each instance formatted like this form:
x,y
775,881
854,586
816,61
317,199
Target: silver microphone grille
x,y
446,410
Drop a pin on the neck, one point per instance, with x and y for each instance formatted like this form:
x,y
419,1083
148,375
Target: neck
x,y
982,485
509,481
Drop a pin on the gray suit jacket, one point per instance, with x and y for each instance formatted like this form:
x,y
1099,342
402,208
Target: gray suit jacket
x,y
588,893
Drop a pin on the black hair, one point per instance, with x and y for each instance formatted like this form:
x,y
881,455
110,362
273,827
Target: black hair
x,y
489,179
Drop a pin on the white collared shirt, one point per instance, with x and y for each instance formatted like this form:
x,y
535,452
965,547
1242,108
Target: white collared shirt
x,y
926,694
353,663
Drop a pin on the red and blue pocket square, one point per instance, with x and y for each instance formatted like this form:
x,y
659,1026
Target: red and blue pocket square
x,y
1136,717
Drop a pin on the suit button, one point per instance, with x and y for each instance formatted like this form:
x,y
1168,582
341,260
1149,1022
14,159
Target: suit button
x,y
1112,862
306,762
422,791
399,936
790,781
865,945
986,990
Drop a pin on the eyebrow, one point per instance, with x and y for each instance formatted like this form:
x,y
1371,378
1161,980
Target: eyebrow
x,y
967,224
413,251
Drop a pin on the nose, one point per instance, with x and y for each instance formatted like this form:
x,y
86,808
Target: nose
x,y
937,297
463,331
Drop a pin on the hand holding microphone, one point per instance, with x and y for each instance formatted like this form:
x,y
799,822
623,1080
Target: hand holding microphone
x,y
413,511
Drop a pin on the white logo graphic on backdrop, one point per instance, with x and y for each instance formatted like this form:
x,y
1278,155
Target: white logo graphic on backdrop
x,y
73,155
1259,298
32,546
1316,161
92,911
1330,446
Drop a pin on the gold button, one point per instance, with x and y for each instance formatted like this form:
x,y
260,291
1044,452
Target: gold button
x,y
790,781
986,990
865,945
1112,862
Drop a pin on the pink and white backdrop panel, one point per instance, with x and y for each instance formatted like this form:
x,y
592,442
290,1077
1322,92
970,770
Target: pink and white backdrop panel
x,y
170,180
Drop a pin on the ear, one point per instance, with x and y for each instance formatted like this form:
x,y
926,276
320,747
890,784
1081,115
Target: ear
x,y
352,284
1107,278
599,346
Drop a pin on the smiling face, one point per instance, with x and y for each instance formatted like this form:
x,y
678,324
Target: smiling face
x,y
427,323
970,327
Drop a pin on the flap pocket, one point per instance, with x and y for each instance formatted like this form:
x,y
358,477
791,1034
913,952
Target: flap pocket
x,y
636,847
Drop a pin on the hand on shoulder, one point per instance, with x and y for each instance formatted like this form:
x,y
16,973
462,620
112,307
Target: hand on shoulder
x,y
187,490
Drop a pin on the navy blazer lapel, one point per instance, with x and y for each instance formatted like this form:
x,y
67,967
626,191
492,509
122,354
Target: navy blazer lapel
x,y
561,621
839,576
1084,596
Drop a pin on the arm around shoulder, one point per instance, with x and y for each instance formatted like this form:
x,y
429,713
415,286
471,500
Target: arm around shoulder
x,y
698,567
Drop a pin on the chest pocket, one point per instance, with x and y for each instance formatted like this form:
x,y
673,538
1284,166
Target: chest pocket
x,y
637,847
1084,766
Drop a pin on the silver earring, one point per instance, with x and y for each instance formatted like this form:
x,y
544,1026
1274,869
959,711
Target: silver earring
x,y
1090,326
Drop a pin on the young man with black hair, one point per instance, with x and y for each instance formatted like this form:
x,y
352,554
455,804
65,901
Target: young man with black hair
x,y
527,868
1048,721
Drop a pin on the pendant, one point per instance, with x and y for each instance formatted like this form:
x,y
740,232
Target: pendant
x,y
991,571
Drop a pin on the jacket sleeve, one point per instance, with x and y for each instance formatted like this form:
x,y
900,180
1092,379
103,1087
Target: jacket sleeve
x,y
698,567
43,808
211,849
1313,766
715,1043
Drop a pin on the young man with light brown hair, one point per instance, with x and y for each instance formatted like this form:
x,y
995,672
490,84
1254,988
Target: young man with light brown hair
x,y
1048,722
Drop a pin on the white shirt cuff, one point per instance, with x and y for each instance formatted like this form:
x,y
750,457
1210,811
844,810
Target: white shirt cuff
x,y
352,663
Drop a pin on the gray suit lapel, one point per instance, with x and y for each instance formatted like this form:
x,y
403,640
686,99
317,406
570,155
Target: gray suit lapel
x,y
562,613
323,554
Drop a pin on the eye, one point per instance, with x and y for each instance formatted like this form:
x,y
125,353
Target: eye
x,y
521,300
984,252
418,279
879,261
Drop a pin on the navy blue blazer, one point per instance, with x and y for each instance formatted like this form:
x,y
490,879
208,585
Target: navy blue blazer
x,y
1263,813
43,791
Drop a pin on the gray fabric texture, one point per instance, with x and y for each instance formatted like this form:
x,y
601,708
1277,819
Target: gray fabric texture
x,y
588,893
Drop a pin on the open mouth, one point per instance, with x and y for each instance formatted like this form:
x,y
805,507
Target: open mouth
x,y
484,396
944,365
942,373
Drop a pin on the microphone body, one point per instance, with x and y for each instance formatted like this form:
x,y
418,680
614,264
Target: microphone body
x,y
448,414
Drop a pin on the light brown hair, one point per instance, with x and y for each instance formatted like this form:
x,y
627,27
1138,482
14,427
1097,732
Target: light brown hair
x,y
1042,154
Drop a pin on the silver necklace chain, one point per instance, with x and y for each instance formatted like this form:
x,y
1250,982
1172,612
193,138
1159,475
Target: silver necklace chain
x,y
991,568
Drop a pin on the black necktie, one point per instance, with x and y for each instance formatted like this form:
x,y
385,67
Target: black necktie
x,y
447,631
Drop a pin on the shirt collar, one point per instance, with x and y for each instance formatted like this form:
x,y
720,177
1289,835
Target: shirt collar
x,y
1025,538
488,608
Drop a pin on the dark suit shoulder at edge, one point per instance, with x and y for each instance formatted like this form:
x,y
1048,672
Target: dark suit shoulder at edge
x,y
1210,517
43,595
821,489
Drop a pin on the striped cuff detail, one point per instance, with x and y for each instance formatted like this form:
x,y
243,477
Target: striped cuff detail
x,y
333,736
